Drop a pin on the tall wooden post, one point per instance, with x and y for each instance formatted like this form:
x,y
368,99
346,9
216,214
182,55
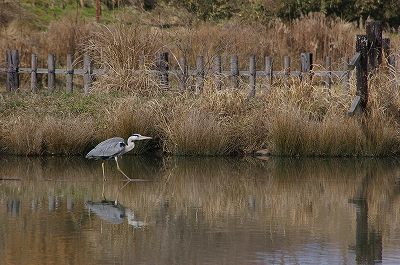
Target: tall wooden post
x,y
98,10
362,70
374,35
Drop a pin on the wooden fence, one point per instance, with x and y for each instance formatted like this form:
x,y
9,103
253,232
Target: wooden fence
x,y
367,56
182,73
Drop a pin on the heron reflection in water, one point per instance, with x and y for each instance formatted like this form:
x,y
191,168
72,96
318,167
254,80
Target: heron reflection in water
x,y
113,148
113,213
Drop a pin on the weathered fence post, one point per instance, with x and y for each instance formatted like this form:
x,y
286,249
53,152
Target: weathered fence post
x,y
163,67
34,73
9,79
252,77
200,72
286,70
183,74
87,73
12,70
70,75
15,62
218,72
374,35
346,76
386,48
51,75
235,71
269,73
362,70
328,77
306,64
390,58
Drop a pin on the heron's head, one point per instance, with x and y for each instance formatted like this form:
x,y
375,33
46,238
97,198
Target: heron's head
x,y
137,137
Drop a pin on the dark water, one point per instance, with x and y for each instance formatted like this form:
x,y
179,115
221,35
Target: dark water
x,y
200,211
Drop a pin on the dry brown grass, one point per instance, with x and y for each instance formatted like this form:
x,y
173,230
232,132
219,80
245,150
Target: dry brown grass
x,y
303,119
62,37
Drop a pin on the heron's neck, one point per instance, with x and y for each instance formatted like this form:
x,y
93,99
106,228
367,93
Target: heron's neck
x,y
129,147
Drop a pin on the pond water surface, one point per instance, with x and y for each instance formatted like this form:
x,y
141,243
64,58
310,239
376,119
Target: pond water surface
x,y
200,211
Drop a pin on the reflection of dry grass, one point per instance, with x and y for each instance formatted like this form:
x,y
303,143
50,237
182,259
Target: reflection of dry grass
x,y
227,187
293,197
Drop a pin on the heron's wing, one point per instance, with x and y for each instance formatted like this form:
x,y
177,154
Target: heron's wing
x,y
108,148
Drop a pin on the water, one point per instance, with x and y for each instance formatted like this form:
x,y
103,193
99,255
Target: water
x,y
200,211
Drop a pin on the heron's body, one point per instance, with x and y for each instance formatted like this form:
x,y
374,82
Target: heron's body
x,y
113,148
110,148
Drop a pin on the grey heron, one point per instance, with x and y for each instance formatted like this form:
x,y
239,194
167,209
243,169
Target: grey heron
x,y
113,148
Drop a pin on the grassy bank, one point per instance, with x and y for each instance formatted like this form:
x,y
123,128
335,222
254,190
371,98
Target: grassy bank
x,y
303,120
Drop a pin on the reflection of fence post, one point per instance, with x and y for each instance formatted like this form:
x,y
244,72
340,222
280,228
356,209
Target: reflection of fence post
x,y
252,77
269,74
362,70
374,35
34,73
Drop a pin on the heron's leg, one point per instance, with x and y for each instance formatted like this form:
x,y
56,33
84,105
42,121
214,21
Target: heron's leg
x,y
102,166
119,169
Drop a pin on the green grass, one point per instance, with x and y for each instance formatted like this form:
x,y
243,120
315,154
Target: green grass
x,y
44,13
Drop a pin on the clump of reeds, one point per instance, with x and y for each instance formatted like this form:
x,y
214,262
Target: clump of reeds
x,y
32,135
122,50
313,121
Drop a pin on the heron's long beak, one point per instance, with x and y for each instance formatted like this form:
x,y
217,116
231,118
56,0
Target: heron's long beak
x,y
144,137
